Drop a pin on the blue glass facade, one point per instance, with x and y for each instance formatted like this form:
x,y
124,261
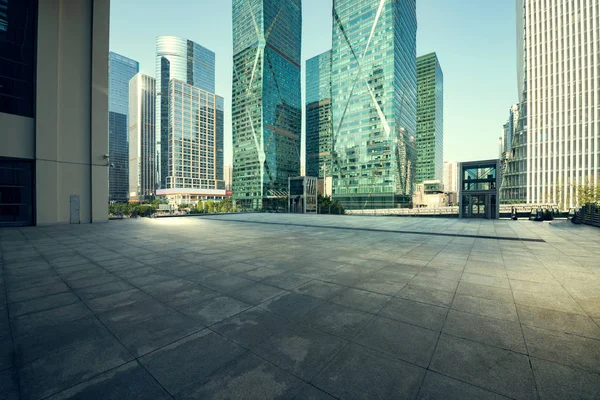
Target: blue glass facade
x,y
120,71
374,91
430,118
319,127
186,61
266,98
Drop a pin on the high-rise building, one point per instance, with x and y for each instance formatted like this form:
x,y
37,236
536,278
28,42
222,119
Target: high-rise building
x,y
120,71
195,140
266,98
53,112
374,102
430,118
319,126
186,61
228,176
558,49
142,138
450,179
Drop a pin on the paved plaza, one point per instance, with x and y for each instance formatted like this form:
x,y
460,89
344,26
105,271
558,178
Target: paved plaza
x,y
265,306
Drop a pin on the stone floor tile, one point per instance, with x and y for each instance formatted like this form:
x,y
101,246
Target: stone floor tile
x,y
256,293
215,310
148,336
485,307
491,331
37,321
41,304
338,320
92,281
119,299
53,337
259,274
497,370
56,372
180,293
485,292
563,348
431,282
361,300
291,305
551,301
406,342
486,280
320,289
555,381
576,324
35,292
124,316
359,373
6,352
380,285
440,387
247,377
428,296
131,381
190,359
300,350
312,393
251,327
287,281
420,314
9,388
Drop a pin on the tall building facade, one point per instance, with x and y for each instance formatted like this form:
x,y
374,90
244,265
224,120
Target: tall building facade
x,y
559,44
319,126
195,140
53,112
430,118
266,98
120,71
450,179
374,102
186,61
142,138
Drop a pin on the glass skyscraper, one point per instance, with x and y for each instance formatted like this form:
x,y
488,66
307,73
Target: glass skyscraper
x,y
142,137
120,71
266,98
374,90
195,141
186,61
430,119
319,127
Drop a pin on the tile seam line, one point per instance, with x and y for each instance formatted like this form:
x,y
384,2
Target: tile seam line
x,y
457,235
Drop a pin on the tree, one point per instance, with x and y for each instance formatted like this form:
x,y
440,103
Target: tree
x,y
226,205
329,206
588,193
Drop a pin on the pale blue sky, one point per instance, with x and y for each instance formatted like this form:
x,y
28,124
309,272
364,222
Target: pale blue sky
x,y
474,39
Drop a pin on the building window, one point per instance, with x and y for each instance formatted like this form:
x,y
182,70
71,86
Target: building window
x,y
18,22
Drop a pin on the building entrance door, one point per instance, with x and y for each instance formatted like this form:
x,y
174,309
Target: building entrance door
x,y
479,206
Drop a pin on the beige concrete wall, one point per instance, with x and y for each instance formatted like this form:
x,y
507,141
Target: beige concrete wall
x,y
17,135
72,110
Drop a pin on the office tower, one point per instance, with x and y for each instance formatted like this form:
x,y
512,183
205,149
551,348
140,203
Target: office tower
x,y
430,118
195,140
53,112
450,179
510,127
120,71
558,48
266,98
142,138
186,61
319,127
374,102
